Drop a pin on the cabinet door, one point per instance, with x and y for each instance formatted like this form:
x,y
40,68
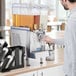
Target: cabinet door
x,y
42,72
55,71
28,74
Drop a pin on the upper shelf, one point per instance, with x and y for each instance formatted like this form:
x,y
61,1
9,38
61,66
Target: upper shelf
x,y
25,5
28,9
57,23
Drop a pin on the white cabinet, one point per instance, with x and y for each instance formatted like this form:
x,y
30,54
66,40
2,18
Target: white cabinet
x,y
42,72
34,73
53,71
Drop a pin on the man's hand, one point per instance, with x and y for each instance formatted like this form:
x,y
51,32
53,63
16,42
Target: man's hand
x,y
48,39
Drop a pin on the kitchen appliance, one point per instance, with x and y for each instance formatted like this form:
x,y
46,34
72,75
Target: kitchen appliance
x,y
38,34
20,36
11,58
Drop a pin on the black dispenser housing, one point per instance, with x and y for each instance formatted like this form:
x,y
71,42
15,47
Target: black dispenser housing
x,y
13,59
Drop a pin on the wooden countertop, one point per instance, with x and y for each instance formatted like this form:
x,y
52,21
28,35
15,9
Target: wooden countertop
x,y
59,60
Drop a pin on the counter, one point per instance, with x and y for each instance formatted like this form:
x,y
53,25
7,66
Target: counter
x,y
59,60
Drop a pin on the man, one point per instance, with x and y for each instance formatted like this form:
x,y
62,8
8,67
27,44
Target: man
x,y
69,39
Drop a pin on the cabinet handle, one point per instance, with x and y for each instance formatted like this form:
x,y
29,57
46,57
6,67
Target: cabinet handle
x,y
42,74
33,74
